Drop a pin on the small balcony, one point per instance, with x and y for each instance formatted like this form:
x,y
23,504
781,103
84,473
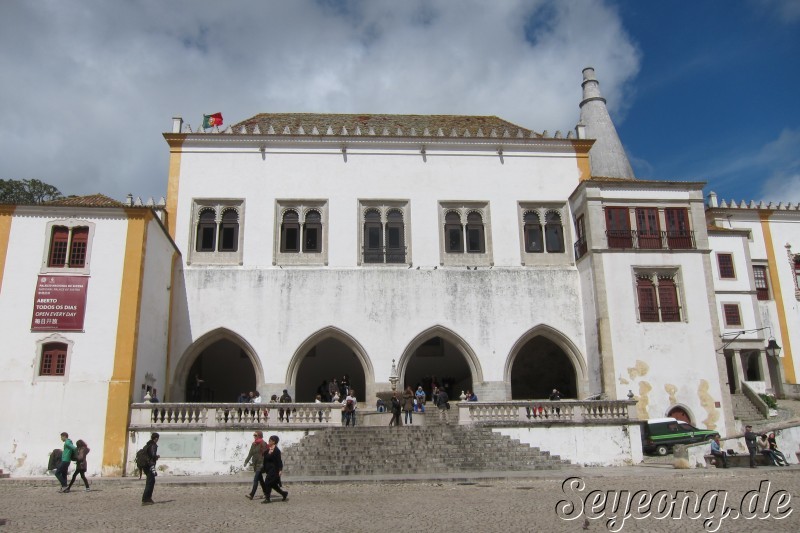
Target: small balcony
x,y
384,254
581,248
646,240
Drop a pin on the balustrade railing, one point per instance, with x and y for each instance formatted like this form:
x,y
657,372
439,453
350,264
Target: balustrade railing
x,y
233,415
199,416
545,412
650,240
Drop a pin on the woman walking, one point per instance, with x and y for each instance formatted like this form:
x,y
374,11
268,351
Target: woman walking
x,y
273,467
395,421
80,464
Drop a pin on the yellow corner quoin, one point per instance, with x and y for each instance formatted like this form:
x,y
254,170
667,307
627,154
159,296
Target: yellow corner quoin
x,y
173,185
6,214
582,159
772,264
120,388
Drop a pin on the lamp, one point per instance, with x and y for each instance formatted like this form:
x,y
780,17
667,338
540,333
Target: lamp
x,y
773,350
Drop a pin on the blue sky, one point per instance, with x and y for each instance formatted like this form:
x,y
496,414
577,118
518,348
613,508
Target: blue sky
x,y
715,98
700,91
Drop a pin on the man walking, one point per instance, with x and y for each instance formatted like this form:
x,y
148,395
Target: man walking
x,y
750,439
256,458
151,450
66,457
442,402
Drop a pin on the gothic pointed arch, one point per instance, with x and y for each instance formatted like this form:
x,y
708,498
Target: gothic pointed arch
x,y
572,360
320,339
448,335
219,337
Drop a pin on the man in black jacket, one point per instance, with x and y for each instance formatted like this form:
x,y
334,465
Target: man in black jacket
x,y
750,439
151,448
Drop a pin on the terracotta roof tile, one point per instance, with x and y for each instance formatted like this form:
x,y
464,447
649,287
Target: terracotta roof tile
x,y
382,125
91,200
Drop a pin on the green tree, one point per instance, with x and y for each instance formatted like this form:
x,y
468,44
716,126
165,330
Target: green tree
x,y
27,192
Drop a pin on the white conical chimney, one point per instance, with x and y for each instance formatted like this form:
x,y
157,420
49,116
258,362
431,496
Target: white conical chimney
x,y
607,156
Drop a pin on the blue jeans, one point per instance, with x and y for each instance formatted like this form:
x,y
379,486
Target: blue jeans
x,y
409,417
258,479
61,473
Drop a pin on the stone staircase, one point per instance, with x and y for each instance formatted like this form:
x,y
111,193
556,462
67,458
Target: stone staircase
x,y
745,411
434,448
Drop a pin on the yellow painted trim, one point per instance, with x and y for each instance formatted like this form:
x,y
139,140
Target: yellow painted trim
x,y
120,388
584,168
172,185
6,214
772,264
166,396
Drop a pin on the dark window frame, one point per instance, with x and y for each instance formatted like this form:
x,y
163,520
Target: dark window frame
x,y
725,266
290,232
761,279
53,360
453,228
553,233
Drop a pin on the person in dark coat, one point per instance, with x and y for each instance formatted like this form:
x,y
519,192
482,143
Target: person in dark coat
x,y
750,439
151,449
273,468
80,465
395,421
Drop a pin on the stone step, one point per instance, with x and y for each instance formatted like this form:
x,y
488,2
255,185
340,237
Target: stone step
x,y
412,449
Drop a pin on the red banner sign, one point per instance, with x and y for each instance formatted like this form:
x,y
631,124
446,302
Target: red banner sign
x,y
60,303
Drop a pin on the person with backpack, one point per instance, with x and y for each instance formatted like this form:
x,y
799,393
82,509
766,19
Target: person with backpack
x,y
350,405
256,458
151,457
80,464
66,457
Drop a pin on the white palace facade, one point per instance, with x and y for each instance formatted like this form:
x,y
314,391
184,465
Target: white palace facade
x,y
295,248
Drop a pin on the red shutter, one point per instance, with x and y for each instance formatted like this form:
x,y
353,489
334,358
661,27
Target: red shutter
x,y
648,308
77,250
58,247
668,300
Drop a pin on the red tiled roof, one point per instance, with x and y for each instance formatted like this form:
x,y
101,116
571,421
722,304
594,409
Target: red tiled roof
x,y
91,200
383,125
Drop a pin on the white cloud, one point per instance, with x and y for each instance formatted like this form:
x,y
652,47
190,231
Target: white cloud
x,y
94,84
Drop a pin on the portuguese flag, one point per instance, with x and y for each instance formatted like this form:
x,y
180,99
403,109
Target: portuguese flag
x,y
209,121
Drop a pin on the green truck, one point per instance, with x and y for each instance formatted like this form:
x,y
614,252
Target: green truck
x,y
659,435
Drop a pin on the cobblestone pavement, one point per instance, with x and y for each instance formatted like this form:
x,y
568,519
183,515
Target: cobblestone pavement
x,y
513,503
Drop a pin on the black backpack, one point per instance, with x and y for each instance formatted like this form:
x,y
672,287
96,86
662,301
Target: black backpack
x,y
142,460
55,460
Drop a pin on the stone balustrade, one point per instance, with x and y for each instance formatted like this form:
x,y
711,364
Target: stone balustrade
x,y
155,416
533,412
163,416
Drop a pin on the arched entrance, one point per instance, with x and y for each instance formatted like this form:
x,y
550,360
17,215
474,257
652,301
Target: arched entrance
x,y
216,368
439,355
541,362
679,413
330,353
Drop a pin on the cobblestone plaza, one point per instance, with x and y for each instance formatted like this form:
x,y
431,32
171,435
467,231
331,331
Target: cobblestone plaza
x,y
489,502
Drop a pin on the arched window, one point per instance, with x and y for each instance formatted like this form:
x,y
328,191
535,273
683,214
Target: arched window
x,y
206,231
533,233
290,232
68,247
373,237
229,231
648,304
395,237
797,270
54,359
475,236
312,232
554,233
454,233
